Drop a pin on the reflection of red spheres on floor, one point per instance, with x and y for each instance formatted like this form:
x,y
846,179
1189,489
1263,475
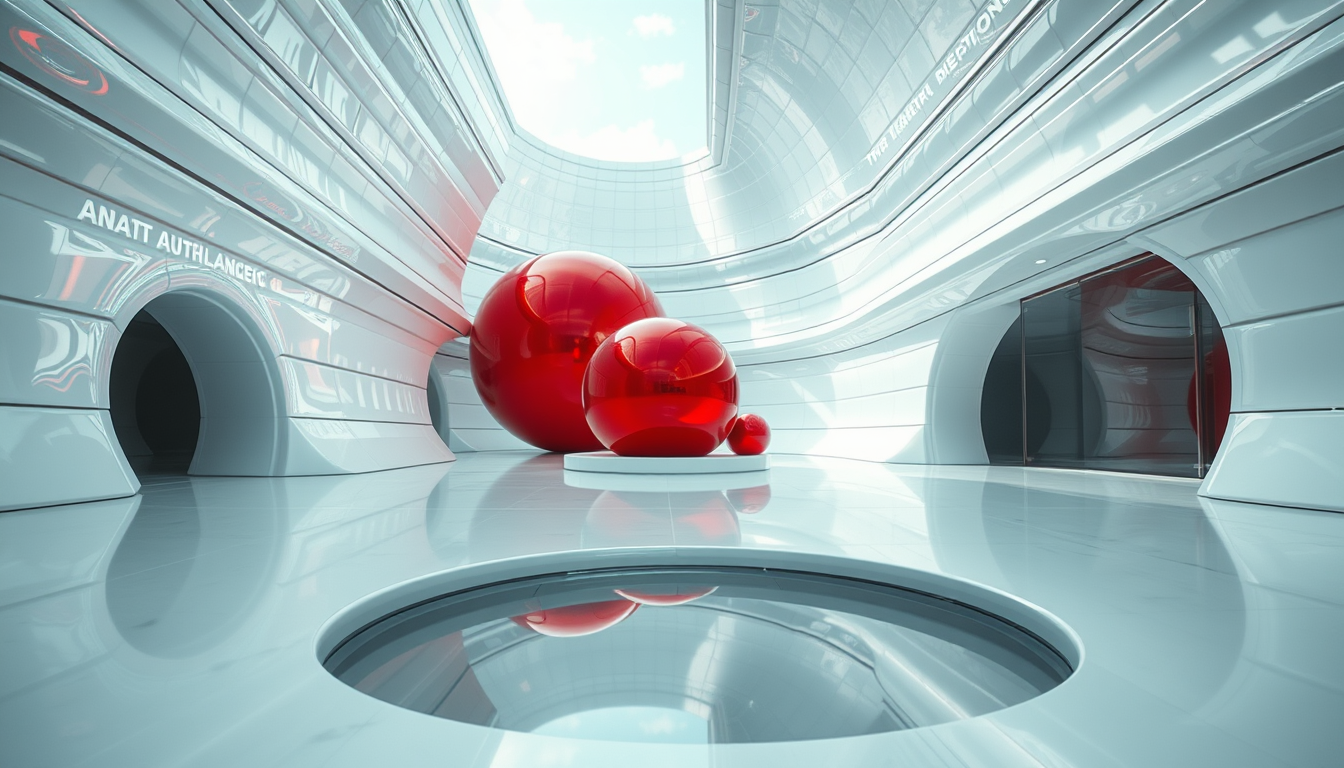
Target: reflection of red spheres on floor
x,y
704,518
681,596
1218,375
577,620
749,501
532,338
749,436
625,519
660,387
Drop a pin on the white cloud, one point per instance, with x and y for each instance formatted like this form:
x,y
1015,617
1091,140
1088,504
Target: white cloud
x,y
662,74
637,144
661,724
654,24
531,58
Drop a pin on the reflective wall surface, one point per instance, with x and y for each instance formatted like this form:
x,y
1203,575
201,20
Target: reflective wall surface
x,y
343,180
289,189
1075,139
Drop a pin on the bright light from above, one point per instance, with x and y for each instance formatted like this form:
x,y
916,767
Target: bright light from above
x,y
620,80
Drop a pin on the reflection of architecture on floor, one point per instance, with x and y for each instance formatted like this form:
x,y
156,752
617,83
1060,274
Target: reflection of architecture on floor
x,y
197,603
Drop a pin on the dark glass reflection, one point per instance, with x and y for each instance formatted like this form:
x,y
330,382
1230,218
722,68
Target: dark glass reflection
x,y
1123,370
697,655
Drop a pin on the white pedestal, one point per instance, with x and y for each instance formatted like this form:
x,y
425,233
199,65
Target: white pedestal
x,y
713,464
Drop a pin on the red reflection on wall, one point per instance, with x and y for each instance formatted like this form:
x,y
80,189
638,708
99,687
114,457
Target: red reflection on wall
x,y
576,620
59,60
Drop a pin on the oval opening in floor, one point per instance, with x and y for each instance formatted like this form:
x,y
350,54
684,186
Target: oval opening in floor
x,y
697,655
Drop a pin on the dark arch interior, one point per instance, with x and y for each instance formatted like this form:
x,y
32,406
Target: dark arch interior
x,y
1001,403
1124,369
155,406
436,414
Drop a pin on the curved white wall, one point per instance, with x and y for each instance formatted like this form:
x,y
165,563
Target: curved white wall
x,y
870,336
1269,258
288,188
329,165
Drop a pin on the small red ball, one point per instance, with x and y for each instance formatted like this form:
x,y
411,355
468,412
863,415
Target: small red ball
x,y
660,387
534,334
749,436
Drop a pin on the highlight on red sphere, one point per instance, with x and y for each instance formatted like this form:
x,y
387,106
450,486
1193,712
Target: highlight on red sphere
x,y
679,595
749,436
577,620
660,387
534,334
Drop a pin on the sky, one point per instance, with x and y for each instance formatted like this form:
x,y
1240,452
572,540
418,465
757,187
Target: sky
x,y
620,80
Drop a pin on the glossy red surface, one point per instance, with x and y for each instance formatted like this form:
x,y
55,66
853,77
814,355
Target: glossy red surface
x,y
532,338
577,620
749,435
660,387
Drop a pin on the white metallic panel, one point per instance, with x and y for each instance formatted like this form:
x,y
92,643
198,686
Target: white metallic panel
x,y
338,334
1289,459
331,447
59,456
320,391
1289,363
53,358
1284,199
185,133
893,444
1279,271
62,263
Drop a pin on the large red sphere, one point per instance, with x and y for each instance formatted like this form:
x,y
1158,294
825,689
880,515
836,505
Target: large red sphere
x,y
660,387
749,436
532,338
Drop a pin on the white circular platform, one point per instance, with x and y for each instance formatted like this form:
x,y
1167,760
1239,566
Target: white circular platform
x,y
715,463
714,481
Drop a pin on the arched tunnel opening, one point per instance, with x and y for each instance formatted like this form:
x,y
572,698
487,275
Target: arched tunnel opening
x,y
1125,369
156,408
195,389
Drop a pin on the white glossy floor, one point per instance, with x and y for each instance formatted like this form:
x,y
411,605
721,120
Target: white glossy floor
x,y
178,628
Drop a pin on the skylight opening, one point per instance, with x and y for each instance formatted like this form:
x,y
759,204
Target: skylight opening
x,y
615,80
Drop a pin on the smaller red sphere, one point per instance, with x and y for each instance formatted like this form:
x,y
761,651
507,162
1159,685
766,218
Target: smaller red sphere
x,y
749,436
660,387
